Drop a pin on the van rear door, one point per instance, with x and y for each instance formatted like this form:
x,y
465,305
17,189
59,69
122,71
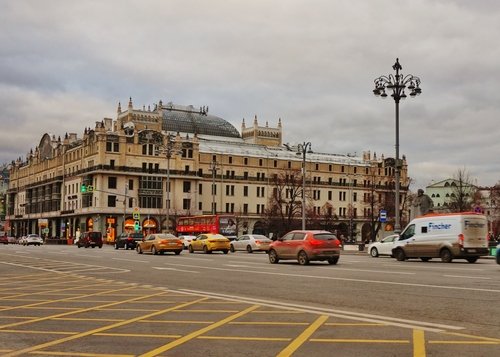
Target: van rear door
x,y
475,232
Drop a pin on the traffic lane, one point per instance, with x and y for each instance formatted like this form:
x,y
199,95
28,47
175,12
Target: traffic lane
x,y
347,293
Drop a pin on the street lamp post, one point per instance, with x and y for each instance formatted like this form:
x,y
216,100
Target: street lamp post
x,y
125,207
214,166
169,150
397,83
303,149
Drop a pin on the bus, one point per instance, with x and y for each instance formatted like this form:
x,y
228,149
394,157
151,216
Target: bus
x,y
211,223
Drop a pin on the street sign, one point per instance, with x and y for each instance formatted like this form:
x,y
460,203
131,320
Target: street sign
x,y
383,216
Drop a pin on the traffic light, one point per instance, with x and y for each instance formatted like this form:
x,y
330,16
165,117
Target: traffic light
x,y
83,188
137,225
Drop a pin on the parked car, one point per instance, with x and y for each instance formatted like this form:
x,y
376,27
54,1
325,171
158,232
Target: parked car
x,y
383,247
251,243
497,254
12,240
209,243
90,239
186,240
33,239
160,243
21,239
306,246
128,240
4,240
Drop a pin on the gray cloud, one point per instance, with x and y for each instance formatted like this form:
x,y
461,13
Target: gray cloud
x,y
65,65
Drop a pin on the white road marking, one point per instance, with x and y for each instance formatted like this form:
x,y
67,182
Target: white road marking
x,y
466,277
412,324
186,271
132,260
369,281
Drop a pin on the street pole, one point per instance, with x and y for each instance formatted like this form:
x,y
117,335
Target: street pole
x,y
125,207
303,149
169,155
213,167
397,83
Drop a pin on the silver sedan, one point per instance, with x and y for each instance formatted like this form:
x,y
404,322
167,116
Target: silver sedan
x,y
251,243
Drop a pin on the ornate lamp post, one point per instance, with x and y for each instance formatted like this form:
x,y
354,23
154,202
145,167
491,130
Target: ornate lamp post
x,y
303,149
397,83
169,150
214,166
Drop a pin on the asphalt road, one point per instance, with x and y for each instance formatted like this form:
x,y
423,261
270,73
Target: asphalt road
x,y
239,304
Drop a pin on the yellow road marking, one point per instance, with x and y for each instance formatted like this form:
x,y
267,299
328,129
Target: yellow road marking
x,y
354,340
210,311
418,343
75,354
68,313
295,344
236,338
136,335
100,329
177,322
277,312
42,332
198,333
353,324
464,342
269,323
86,319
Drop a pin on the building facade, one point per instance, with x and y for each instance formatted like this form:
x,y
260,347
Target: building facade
x,y
118,172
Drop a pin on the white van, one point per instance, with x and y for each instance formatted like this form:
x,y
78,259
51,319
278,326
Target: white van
x,y
446,236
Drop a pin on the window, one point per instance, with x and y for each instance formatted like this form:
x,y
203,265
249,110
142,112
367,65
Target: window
x,y
130,185
260,162
245,191
275,163
289,164
111,201
230,159
186,186
112,164
246,161
186,204
329,195
245,208
111,184
245,175
200,189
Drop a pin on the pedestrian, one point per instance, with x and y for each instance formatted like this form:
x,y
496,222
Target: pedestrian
x,y
77,235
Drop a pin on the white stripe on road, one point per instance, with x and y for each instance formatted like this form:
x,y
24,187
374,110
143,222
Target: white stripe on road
x,y
186,271
132,260
466,277
412,324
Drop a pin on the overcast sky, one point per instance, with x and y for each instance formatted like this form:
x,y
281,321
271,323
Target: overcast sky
x,y
66,64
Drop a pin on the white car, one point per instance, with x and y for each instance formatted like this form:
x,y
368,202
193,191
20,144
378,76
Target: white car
x,y
383,247
251,243
32,239
186,240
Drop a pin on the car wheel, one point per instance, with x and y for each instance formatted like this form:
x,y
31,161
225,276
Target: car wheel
x,y
177,252
472,259
302,258
231,248
190,249
374,252
446,256
273,257
116,246
249,249
225,251
153,250
400,255
139,249
93,246
78,245
205,249
425,259
333,260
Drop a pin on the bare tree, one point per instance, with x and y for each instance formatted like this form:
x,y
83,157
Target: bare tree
x,y
464,193
284,207
495,208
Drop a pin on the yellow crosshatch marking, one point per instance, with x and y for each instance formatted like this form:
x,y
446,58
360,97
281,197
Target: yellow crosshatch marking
x,y
241,323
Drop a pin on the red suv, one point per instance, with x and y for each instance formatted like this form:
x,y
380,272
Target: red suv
x,y
306,246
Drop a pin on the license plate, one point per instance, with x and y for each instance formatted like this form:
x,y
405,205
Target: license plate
x,y
472,250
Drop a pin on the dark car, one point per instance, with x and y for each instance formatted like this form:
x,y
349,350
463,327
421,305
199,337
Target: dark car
x,y
128,240
90,239
497,254
4,240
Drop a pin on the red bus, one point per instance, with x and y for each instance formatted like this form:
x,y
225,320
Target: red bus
x,y
218,223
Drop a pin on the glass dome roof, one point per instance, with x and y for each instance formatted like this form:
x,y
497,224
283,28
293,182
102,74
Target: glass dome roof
x,y
189,120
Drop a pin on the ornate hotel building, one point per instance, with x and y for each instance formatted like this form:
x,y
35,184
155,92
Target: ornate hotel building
x,y
117,173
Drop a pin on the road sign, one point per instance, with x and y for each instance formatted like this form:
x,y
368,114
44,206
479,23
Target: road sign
x,y
383,216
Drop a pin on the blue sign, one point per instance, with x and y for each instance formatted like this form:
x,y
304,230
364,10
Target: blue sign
x,y
383,216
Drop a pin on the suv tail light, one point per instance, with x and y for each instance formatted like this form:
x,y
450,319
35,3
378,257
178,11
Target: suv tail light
x,y
315,242
461,240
